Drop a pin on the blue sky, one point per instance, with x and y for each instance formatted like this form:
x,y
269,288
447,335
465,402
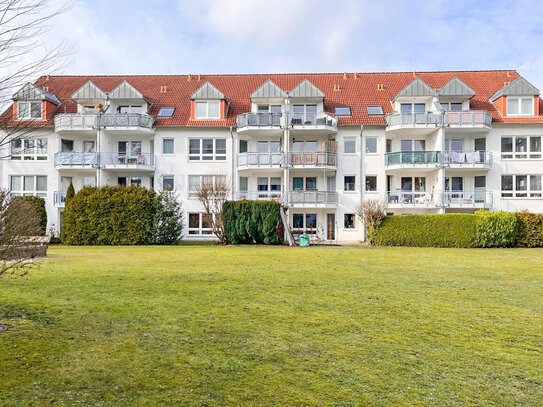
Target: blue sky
x,y
250,36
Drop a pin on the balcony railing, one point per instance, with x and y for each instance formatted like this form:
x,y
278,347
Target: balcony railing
x,y
76,159
467,158
412,158
411,198
126,120
312,197
127,160
259,196
59,198
312,120
313,159
259,120
260,159
468,118
413,119
75,121
479,198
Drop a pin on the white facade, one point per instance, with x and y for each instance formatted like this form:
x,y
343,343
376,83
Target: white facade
x,y
287,148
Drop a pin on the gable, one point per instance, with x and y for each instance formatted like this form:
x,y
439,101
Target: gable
x,y
125,91
456,87
207,91
306,89
519,87
34,92
416,88
268,90
89,91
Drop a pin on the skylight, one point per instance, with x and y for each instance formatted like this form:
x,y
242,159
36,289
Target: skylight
x,y
165,112
342,110
375,110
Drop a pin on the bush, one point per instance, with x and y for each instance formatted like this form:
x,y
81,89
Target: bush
x,y
169,219
530,229
496,229
70,192
247,222
446,230
39,205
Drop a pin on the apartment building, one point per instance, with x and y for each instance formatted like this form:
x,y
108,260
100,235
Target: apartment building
x,y
426,142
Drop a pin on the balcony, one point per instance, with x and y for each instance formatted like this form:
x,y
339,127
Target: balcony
x,y
468,119
467,159
122,122
312,199
259,196
260,123
119,161
479,198
76,123
76,160
59,199
260,160
317,123
415,123
412,199
412,159
312,160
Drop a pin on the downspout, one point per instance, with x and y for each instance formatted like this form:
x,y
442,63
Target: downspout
x,y
233,181
361,176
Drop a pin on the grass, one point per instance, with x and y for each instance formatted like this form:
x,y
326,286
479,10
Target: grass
x,y
274,326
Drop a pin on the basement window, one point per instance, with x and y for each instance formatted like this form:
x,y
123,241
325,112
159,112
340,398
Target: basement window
x,y
375,110
166,112
342,111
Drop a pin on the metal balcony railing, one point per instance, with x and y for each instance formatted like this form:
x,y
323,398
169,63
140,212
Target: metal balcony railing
x,y
259,120
259,195
120,120
313,159
76,159
410,158
478,198
260,159
312,197
468,158
75,121
468,118
413,119
411,198
312,120
59,198
127,160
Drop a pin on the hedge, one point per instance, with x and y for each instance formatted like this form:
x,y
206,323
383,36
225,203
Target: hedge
x,y
446,230
38,204
247,222
496,229
530,229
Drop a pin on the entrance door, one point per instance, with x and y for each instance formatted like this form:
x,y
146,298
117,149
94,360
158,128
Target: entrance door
x,y
331,226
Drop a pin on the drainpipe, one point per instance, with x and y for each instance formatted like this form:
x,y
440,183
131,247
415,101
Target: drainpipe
x,y
233,182
286,150
361,177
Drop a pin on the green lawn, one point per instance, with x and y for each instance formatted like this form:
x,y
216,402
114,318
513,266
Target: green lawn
x,y
274,326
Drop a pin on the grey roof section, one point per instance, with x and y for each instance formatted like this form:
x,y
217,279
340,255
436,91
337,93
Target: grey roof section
x,y
456,87
269,90
89,91
306,89
125,91
207,91
519,87
34,92
416,88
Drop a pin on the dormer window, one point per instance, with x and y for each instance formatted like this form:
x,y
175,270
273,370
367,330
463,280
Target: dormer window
x,y
28,110
520,106
413,107
453,106
207,109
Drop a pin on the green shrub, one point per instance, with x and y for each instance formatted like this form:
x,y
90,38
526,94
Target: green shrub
x,y
530,229
70,192
446,230
39,205
496,229
247,222
168,226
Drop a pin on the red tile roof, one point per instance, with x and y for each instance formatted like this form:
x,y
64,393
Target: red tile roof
x,y
356,93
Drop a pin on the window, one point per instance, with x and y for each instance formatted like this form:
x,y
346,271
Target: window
x,y
89,110
88,146
412,108
207,109
371,183
129,109
168,183
243,146
521,147
375,110
453,106
26,185
199,224
207,149
28,110
167,146
480,144
268,187
196,181
520,106
304,223
342,111
349,145
388,145
371,145
348,220
304,114
349,183
29,149
165,112
521,186
136,181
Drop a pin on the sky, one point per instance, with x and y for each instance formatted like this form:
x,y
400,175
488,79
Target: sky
x,y
277,36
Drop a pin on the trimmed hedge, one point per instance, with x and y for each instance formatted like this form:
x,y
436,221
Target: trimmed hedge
x,y
246,222
530,229
496,229
38,204
446,230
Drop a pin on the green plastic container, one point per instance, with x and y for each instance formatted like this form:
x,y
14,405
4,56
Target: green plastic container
x,y
303,241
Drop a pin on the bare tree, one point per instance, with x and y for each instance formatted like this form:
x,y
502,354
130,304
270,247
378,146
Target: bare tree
x,y
213,192
372,212
20,232
24,57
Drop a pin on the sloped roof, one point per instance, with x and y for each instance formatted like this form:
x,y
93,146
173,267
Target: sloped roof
x,y
455,87
207,91
519,87
89,91
32,92
416,87
269,90
125,91
306,89
356,93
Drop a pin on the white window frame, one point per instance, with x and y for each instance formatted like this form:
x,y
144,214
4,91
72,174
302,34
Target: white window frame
x,y
132,109
173,145
527,193
27,153
354,222
207,116
201,157
33,192
366,184
349,190
193,191
305,229
519,105
172,177
345,139
522,155
29,104
199,231
376,145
